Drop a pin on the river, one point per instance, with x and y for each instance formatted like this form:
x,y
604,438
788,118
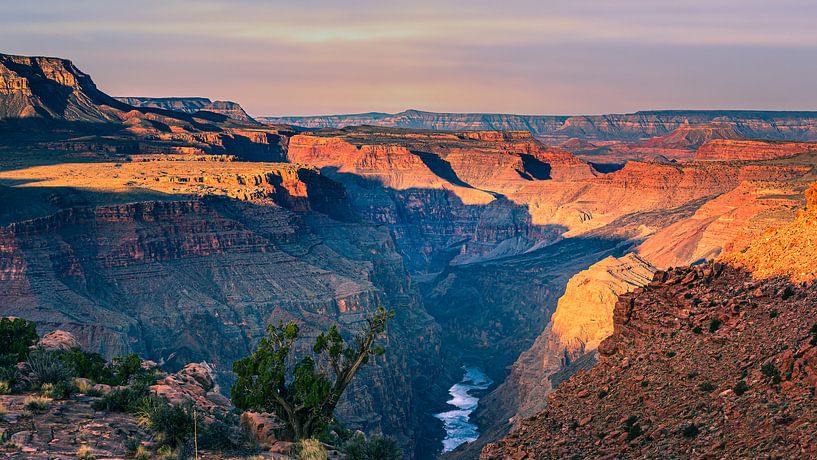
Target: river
x,y
458,427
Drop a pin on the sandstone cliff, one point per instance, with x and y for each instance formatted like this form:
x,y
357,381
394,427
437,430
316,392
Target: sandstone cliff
x,y
731,150
701,360
632,126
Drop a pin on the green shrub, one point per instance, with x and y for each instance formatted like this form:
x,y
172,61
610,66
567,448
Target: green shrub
x,y
215,436
171,424
125,399
85,453
714,325
696,330
632,427
36,403
44,366
773,314
601,394
706,387
16,338
90,366
740,388
813,332
770,371
788,292
375,448
690,431
60,390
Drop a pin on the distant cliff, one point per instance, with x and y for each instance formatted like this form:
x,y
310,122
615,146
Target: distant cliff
x,y
190,105
631,126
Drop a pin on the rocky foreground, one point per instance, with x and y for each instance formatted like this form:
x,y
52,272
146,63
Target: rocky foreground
x,y
713,360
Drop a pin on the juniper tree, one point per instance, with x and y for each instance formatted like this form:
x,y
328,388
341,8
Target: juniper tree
x,y
304,392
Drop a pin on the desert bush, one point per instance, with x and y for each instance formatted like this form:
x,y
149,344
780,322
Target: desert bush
x,y
60,390
171,424
740,388
216,436
83,386
90,366
311,449
5,387
770,371
376,447
3,409
142,453
632,427
44,366
706,387
714,325
788,292
124,399
690,431
85,453
36,403
16,338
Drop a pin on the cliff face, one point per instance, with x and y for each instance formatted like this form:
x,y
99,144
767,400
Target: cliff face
x,y
731,150
190,105
633,126
196,272
701,359
51,88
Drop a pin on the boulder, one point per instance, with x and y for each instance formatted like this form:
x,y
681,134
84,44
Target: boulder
x,y
59,340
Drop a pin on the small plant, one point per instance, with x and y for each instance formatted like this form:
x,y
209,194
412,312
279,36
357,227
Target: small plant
x,y
36,403
122,399
714,325
670,354
644,384
707,387
690,431
770,371
740,388
85,453
60,390
696,330
142,453
788,292
692,374
773,314
172,424
46,367
376,447
632,427
131,443
311,449
90,366
813,332
3,409
83,386
216,436
601,394
5,387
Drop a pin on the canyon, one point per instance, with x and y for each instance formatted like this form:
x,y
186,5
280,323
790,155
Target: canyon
x,y
177,228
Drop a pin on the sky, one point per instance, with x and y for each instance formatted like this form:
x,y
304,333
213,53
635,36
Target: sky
x,y
312,57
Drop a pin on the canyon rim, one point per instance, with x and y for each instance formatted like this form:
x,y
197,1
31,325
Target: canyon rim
x,y
567,283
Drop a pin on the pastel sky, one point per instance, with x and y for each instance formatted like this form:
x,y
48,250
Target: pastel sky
x,y
520,56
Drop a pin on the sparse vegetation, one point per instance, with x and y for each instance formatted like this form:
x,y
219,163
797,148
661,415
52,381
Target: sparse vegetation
x,y
771,372
172,425
304,396
602,393
707,387
788,292
813,332
714,325
5,387
740,388
60,390
36,403
690,431
376,447
122,399
311,449
142,453
85,453
632,427
773,314
44,366
696,330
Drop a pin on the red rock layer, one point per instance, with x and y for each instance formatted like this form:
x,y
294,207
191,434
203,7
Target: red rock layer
x,y
731,150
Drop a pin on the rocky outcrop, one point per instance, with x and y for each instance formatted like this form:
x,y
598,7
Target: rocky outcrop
x,y
51,88
190,105
699,361
732,150
788,250
58,340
